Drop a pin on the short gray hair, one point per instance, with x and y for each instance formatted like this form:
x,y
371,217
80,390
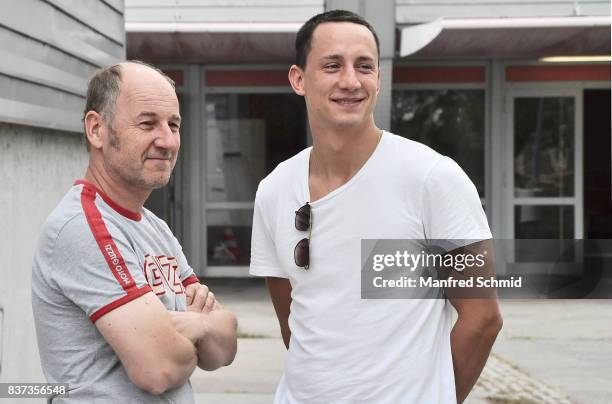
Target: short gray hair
x,y
103,89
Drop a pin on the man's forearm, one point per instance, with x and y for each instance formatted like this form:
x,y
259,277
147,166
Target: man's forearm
x,y
218,346
471,343
181,364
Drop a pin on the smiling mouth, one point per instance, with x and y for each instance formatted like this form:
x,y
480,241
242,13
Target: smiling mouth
x,y
347,101
159,160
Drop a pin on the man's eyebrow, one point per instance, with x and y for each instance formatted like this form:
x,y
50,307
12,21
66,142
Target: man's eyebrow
x,y
149,114
365,59
332,57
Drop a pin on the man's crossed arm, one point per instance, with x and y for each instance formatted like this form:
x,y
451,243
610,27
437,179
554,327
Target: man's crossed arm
x,y
160,349
207,324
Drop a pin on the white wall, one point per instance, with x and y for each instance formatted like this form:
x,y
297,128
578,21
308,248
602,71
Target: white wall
x,y
37,166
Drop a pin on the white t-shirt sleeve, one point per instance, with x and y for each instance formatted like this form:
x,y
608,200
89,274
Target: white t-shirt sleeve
x,y
451,206
264,260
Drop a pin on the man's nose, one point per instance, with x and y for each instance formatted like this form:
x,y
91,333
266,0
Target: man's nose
x,y
166,138
349,79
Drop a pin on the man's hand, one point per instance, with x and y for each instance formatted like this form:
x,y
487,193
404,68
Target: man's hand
x,y
200,299
209,326
190,324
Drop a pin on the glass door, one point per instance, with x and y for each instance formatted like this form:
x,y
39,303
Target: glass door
x,y
544,173
247,135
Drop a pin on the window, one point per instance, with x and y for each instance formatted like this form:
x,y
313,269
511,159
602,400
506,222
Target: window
x,y
452,122
248,135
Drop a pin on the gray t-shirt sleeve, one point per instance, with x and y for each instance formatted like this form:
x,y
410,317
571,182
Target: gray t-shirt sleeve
x,y
96,267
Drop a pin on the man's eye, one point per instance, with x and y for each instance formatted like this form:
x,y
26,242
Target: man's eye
x,y
146,123
332,66
175,126
366,67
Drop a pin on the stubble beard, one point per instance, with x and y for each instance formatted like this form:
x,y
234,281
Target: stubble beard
x,y
132,176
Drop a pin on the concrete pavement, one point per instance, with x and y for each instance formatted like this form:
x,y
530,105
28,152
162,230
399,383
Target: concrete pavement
x,y
549,351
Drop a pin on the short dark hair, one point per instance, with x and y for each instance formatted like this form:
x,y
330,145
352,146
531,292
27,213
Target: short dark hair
x,y
303,39
103,89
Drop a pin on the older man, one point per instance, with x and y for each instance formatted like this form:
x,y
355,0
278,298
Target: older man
x,y
311,213
120,315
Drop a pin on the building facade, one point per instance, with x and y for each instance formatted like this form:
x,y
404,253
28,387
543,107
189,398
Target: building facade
x,y
472,79
518,93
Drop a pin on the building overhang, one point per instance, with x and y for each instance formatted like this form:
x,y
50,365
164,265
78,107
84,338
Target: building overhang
x,y
211,43
485,38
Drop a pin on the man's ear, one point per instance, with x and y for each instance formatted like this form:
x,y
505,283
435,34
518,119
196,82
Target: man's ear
x,y
296,78
94,127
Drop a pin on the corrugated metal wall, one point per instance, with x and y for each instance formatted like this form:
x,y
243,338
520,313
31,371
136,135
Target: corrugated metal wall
x,y
48,49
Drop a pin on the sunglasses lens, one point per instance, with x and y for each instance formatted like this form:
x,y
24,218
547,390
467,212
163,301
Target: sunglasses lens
x,y
301,254
302,218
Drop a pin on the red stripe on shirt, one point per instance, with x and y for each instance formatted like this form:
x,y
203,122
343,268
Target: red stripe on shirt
x,y
125,212
119,302
190,280
105,241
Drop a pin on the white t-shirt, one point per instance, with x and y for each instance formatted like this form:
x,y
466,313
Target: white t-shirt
x,y
345,349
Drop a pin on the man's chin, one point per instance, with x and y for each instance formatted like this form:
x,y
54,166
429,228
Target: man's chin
x,y
157,184
152,183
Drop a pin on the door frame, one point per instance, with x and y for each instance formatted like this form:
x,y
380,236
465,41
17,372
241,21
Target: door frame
x,y
509,197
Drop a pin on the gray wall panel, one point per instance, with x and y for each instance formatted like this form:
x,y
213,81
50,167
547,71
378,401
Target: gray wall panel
x,y
50,49
221,3
32,93
116,5
221,11
34,115
60,31
37,51
97,15
15,65
246,14
415,11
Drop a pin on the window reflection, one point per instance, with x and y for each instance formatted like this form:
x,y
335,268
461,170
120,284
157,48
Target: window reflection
x,y
229,237
544,146
544,222
247,136
449,121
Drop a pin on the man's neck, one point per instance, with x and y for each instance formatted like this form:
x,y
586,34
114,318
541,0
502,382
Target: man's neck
x,y
122,194
338,155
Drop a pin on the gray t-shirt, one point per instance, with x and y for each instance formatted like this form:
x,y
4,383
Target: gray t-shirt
x,y
92,257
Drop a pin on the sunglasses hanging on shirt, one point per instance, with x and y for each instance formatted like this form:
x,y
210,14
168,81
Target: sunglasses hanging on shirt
x,y
303,222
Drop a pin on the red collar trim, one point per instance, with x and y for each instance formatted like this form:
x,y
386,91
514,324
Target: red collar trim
x,y
125,212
